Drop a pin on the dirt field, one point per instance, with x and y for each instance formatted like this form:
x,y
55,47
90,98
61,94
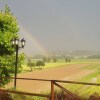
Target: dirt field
x,y
70,72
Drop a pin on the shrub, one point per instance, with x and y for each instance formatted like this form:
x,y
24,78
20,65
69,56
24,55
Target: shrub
x,y
40,63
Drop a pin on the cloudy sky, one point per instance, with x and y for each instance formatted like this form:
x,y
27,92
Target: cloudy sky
x,y
53,25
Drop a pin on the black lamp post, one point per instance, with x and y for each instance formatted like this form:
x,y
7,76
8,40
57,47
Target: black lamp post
x,y
17,44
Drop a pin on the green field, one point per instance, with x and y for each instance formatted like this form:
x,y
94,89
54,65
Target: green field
x,y
47,65
81,90
87,90
62,62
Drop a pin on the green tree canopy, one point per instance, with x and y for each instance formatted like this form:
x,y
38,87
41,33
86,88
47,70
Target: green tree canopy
x,y
30,64
40,63
55,60
8,30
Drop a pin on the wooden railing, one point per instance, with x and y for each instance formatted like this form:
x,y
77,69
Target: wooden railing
x,y
53,83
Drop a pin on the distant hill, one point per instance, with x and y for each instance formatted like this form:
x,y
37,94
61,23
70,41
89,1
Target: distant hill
x,y
71,54
94,56
76,53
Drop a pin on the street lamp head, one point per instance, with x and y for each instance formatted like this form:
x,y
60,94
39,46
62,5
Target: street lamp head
x,y
23,42
19,43
16,41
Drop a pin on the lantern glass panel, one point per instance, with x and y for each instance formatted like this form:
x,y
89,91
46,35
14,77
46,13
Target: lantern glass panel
x,y
16,41
23,42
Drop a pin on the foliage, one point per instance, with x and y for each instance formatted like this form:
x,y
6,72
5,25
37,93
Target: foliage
x,y
67,60
40,63
21,58
8,30
30,64
48,60
55,60
45,59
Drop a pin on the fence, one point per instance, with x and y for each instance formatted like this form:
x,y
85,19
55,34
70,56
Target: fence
x,y
53,83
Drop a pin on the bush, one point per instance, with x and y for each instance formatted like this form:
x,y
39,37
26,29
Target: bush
x,y
30,64
40,63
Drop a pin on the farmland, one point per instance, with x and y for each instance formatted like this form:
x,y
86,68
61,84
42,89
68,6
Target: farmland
x,y
61,62
82,70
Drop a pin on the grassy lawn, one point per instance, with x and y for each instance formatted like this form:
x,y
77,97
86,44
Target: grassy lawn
x,y
85,61
94,63
61,62
47,65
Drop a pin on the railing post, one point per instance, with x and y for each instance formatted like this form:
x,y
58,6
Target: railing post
x,y
52,90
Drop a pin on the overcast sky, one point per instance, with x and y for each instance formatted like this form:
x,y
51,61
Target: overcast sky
x,y
58,24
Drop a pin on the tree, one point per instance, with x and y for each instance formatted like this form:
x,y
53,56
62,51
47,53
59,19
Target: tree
x,y
30,64
55,60
40,63
46,59
8,30
67,60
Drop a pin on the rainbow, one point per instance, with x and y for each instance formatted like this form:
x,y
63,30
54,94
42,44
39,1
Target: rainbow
x,y
33,42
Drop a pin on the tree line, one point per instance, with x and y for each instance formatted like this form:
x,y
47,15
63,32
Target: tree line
x,y
41,63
